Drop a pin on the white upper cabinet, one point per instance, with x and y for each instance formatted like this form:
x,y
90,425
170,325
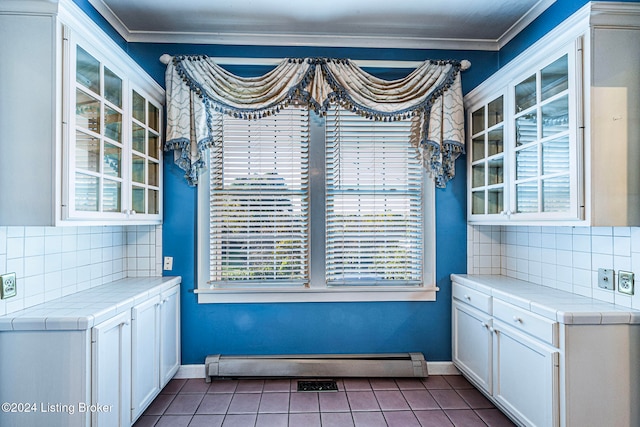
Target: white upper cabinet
x,y
95,157
542,148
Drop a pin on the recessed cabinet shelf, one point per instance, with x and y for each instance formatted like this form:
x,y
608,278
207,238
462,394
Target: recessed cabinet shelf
x,y
542,147
93,155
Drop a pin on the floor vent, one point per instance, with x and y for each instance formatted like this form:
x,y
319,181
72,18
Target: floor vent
x,y
317,386
317,366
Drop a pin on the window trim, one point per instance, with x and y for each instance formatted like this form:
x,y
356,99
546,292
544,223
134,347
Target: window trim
x,y
317,290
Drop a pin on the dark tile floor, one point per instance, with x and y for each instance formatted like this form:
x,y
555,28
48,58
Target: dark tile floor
x,y
437,401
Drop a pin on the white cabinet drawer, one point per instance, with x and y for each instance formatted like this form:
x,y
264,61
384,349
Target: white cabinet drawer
x,y
472,297
537,326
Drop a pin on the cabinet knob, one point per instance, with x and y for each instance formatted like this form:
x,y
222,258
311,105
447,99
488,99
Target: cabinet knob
x,y
467,297
517,319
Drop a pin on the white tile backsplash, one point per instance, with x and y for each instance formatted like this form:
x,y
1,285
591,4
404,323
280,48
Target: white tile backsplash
x,y
51,262
565,258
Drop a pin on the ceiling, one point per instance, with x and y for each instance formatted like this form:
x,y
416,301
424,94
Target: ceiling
x,y
444,24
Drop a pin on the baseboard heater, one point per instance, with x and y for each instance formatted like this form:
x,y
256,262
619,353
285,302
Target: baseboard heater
x,y
317,365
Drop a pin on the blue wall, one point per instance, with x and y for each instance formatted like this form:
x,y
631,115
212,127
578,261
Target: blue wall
x,y
290,328
324,327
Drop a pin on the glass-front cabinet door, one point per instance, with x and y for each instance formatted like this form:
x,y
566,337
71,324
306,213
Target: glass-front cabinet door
x,y
487,173
145,155
544,142
113,171
98,150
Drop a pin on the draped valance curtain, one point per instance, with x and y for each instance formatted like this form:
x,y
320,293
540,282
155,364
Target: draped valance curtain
x,y
197,89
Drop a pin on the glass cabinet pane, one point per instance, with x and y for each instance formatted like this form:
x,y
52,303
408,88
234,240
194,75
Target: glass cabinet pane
x,y
527,197
555,156
113,124
137,197
112,159
87,70
86,188
112,87
495,172
87,112
555,117
555,78
137,138
138,107
477,202
154,117
478,148
154,146
526,94
526,129
556,194
495,143
111,196
137,171
495,201
477,121
495,112
478,175
87,152
154,174
154,202
527,163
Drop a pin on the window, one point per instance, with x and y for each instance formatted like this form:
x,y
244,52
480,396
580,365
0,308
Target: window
x,y
259,198
297,207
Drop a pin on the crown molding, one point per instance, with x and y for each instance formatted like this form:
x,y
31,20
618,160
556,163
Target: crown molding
x,y
523,22
319,40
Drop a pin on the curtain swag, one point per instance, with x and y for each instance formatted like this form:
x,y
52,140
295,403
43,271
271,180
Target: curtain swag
x,y
430,96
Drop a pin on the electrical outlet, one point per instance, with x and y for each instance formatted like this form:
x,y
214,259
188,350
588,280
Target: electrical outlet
x,y
8,286
168,263
625,282
605,278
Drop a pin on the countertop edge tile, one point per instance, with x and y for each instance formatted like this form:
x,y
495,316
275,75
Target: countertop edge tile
x,y
554,304
83,310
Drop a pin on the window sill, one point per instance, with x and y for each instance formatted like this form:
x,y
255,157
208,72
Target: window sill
x,y
360,294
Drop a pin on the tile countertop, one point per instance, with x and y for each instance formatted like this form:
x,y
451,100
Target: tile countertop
x,y
554,304
84,309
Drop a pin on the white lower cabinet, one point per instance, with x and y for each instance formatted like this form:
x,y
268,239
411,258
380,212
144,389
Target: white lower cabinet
x,y
155,355
111,372
525,377
473,344
169,335
57,374
145,355
575,368
518,371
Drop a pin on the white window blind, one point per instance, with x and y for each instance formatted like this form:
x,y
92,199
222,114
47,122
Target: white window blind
x,y
259,201
374,208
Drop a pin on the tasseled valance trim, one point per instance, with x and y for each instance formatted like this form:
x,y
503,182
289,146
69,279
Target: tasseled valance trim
x,y
197,88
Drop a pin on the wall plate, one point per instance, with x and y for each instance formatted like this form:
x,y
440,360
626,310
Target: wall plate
x,y
605,278
625,282
8,286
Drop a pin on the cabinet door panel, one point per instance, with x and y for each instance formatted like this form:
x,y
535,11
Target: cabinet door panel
x,y
145,357
525,377
111,372
170,335
472,344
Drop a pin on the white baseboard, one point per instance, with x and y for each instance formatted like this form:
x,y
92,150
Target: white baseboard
x,y
434,368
